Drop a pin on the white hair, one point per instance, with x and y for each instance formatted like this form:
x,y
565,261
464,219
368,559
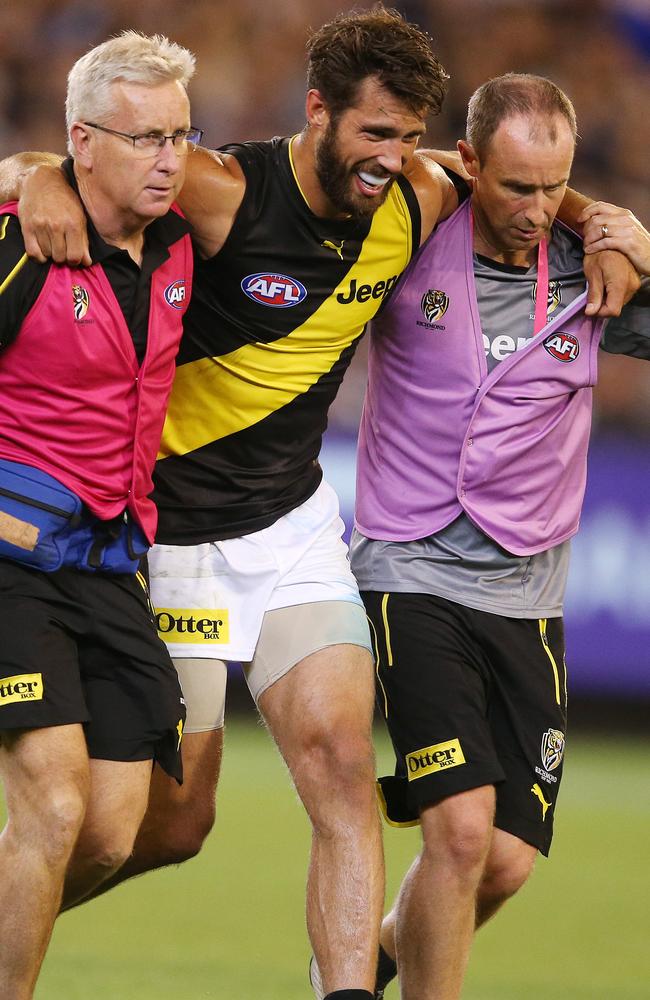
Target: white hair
x,y
132,57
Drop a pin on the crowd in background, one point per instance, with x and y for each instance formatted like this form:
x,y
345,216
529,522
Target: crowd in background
x,y
250,85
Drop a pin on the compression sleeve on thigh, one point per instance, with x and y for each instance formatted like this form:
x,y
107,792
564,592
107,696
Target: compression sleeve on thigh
x,y
204,689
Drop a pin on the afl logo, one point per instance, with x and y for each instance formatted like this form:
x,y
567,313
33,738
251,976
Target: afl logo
x,y
175,294
562,346
276,290
434,305
80,301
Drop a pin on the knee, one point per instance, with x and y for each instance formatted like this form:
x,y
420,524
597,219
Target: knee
x,y
104,852
58,818
335,777
506,874
342,763
187,834
178,833
457,839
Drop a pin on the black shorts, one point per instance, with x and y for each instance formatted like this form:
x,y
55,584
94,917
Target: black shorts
x,y
83,647
470,699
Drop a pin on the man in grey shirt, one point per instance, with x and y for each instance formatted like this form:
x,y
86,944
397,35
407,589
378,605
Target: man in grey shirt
x,y
468,635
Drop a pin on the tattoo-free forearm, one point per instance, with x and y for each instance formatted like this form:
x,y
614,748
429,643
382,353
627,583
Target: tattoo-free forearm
x,y
14,169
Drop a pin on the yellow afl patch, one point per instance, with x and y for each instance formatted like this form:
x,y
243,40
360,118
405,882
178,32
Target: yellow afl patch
x,y
21,687
436,758
197,625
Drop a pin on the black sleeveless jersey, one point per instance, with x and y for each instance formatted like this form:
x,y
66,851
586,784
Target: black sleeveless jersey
x,y
272,326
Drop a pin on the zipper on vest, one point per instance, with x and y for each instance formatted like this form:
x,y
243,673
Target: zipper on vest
x,y
35,503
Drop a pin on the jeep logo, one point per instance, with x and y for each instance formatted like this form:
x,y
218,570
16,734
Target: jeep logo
x,y
363,293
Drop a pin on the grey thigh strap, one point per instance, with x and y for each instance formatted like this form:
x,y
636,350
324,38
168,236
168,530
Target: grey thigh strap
x,y
290,634
204,689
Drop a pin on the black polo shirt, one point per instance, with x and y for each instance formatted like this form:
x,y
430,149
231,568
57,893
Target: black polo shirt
x,y
21,279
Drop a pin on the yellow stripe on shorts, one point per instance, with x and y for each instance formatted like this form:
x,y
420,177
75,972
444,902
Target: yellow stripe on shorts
x,y
379,681
384,615
543,636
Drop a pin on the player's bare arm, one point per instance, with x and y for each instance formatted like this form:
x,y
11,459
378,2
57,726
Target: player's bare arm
x,y
53,221
54,224
450,159
608,227
436,194
611,276
213,191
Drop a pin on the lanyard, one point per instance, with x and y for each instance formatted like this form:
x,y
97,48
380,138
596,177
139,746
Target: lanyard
x,y
541,297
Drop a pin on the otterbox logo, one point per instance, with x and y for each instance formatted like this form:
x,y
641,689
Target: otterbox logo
x,y
21,687
435,758
193,624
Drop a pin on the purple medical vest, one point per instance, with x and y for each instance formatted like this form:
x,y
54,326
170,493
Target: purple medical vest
x,y
439,435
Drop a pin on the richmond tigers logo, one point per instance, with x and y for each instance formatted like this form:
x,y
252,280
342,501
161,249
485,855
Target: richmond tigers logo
x,y
554,296
552,748
434,305
80,301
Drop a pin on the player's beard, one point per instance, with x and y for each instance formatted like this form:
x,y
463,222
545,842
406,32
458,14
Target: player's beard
x,y
337,180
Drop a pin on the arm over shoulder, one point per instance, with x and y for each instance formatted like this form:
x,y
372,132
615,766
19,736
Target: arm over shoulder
x,y
434,190
51,214
213,191
14,169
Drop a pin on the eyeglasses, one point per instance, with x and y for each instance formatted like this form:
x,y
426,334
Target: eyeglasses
x,y
151,143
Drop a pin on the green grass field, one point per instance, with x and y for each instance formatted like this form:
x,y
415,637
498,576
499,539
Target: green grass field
x,y
229,924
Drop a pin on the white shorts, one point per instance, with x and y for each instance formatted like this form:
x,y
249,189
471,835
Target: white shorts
x,y
211,598
288,636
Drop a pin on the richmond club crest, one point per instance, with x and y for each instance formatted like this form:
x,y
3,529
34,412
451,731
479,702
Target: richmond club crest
x,y
552,748
80,301
554,296
434,305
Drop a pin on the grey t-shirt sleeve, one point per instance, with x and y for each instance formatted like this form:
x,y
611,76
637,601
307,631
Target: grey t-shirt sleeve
x,y
629,333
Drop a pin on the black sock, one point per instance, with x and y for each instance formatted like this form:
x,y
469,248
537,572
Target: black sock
x,y
386,969
349,995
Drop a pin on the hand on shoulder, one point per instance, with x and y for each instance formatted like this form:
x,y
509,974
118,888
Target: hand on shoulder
x,y
608,227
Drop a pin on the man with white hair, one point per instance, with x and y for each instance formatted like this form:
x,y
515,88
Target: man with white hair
x,y
88,695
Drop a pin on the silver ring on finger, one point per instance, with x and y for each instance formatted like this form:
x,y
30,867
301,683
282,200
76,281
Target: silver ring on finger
x,y
604,230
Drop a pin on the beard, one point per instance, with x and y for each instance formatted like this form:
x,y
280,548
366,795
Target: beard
x,y
337,180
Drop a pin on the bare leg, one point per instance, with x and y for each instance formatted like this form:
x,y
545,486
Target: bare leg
x,y
45,775
176,822
436,908
509,864
118,798
320,716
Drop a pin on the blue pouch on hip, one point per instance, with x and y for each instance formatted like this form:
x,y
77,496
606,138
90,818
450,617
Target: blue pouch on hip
x,y
45,525
38,516
115,546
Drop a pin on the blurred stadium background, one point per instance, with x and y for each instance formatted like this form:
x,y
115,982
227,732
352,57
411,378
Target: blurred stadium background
x,y
230,924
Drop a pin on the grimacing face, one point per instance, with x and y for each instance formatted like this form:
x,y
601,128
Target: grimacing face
x,y
365,148
520,181
139,188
